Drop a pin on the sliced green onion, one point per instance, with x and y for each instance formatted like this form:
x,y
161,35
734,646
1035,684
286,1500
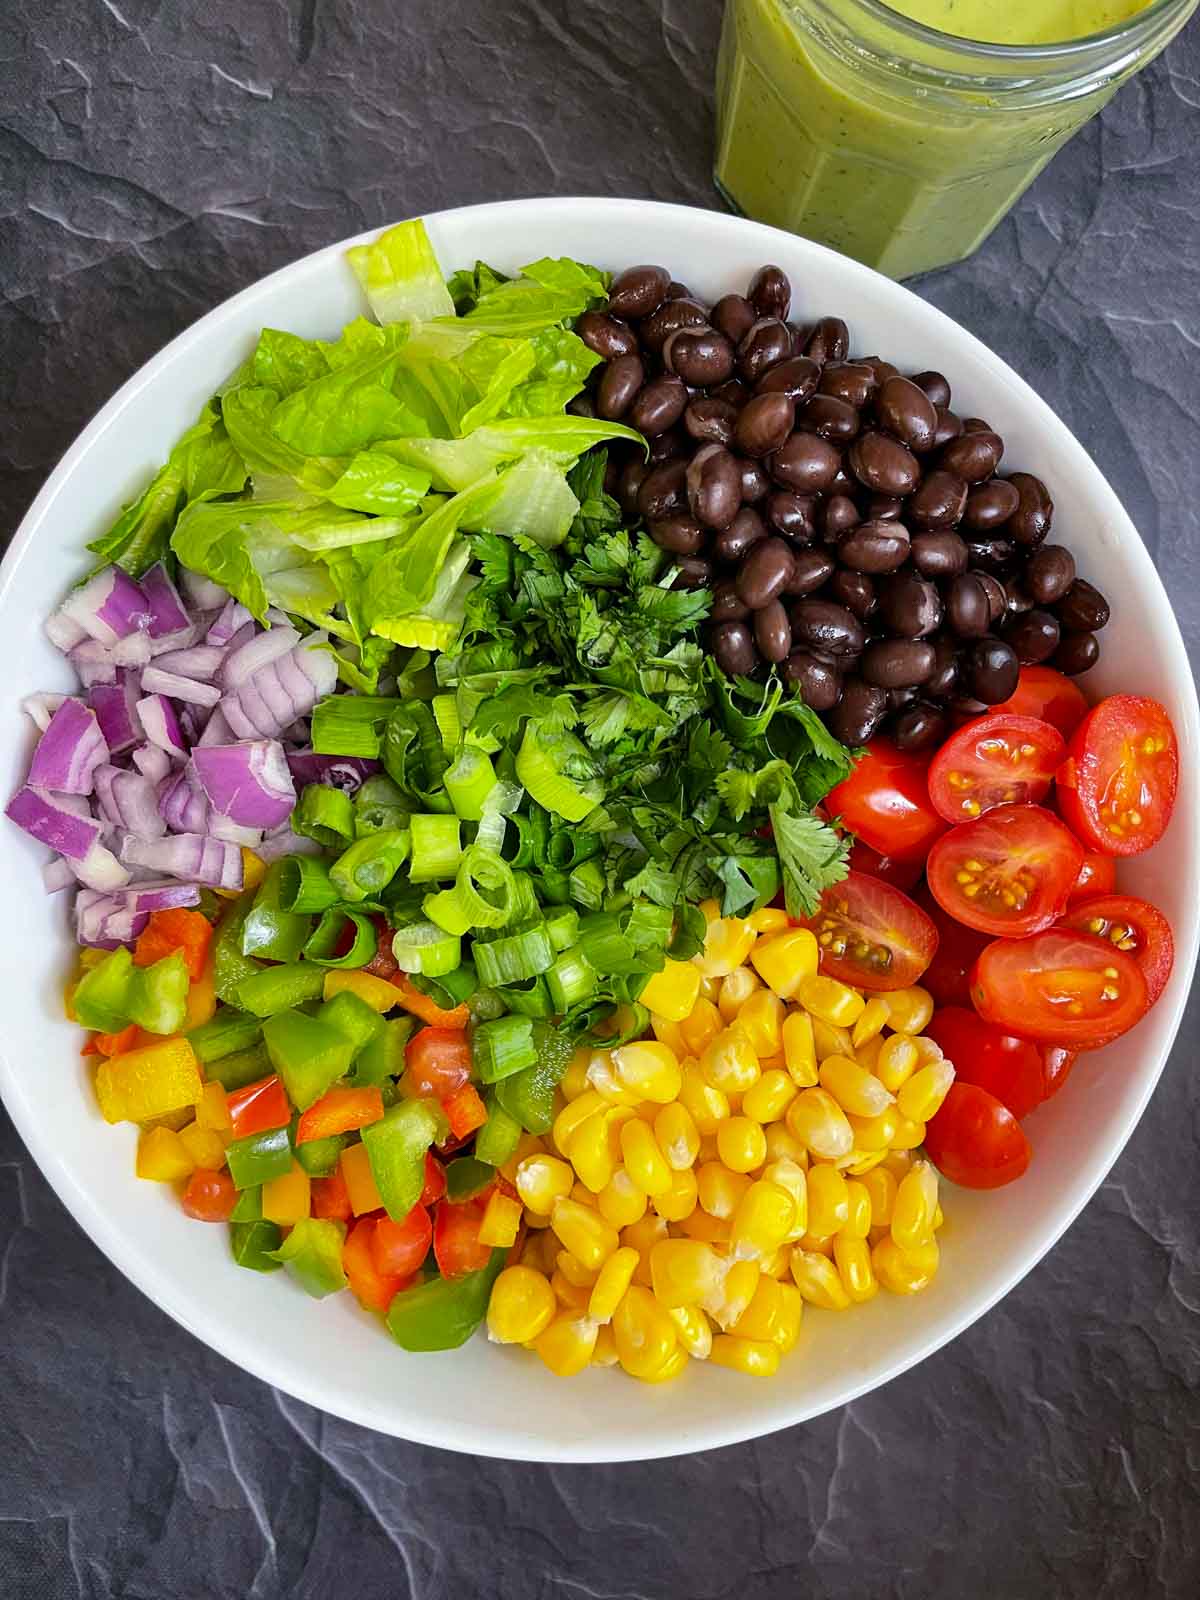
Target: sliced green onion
x,y
558,773
605,948
514,957
647,925
445,714
563,927
554,886
370,863
379,804
570,980
305,885
446,908
587,885
469,782
528,999
350,724
525,900
327,935
425,948
486,1004
326,815
567,847
533,831
485,885
492,831
500,1048
436,847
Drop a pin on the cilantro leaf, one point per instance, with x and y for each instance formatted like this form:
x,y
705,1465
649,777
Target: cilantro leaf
x,y
812,856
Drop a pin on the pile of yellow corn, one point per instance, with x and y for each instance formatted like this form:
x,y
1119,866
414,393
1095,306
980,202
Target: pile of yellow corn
x,y
699,1186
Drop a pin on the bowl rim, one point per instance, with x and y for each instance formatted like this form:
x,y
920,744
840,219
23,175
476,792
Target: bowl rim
x,y
241,1347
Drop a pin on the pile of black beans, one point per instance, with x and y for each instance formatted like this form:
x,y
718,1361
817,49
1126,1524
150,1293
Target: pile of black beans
x,y
853,529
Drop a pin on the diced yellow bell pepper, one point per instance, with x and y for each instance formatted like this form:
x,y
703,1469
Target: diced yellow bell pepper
x,y
378,994
212,1109
206,1148
162,1156
150,1082
254,869
201,999
501,1220
287,1200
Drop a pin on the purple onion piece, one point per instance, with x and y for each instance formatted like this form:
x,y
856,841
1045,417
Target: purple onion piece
x,y
69,751
155,681
338,772
115,705
202,593
93,662
232,617
41,707
189,856
161,725
249,659
249,783
109,606
152,762
57,875
167,613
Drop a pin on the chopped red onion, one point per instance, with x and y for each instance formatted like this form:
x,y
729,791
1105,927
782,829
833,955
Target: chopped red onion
x,y
249,782
182,640
317,662
277,617
93,662
109,606
202,593
189,856
232,616
338,772
41,707
152,762
250,659
247,631
57,875
281,692
167,614
220,827
182,803
105,921
130,801
286,843
157,716
191,722
100,869
69,751
63,632
200,661
133,651
155,681
216,730
115,705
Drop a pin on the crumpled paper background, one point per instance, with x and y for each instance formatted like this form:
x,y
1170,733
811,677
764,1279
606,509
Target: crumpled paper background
x,y
155,156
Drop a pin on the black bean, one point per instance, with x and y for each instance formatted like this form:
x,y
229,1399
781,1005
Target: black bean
x,y
909,606
637,291
1083,609
702,357
659,406
726,606
994,555
964,706
844,483
818,680
764,424
938,501
858,713
732,644
734,393
622,379
694,573
994,670
663,491
797,378
828,341
882,508
607,336
1033,636
1018,599
772,631
668,319
680,534
768,343
755,482
612,474
632,477
977,425
770,292
811,570
854,590
990,505
837,515
678,291
764,573
1076,653
832,629
898,663
1030,523
849,381
734,315
806,462
731,543
830,417
967,608
883,464
934,385
714,486
907,412
1050,573
973,456
793,515
996,593
882,369
874,547
920,726
942,680
666,446
938,555
948,427
710,421
899,698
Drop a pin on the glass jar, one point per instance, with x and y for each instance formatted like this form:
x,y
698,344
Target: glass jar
x,y
845,122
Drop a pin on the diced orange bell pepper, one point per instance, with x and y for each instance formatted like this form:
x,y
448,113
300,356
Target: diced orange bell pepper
x,y
372,1289
501,1220
340,1111
179,929
116,1044
420,1005
288,1198
355,1167
213,1110
380,996
201,999
465,1111
162,1156
258,1107
331,1198
206,1148
150,1082
435,1180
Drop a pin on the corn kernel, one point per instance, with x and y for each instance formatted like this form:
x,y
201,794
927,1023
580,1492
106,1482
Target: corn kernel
x,y
643,1159
719,1189
687,1272
699,1225
540,1250
924,1092
672,992
790,1176
799,1049
644,1333
909,1135
605,1352
501,1221
711,909
710,988
903,1272
769,919
896,1062
650,1069
871,1020
566,1344
574,1271
521,1306
581,1192
212,1109
860,1161
854,1089
701,1027
621,1202
828,1200
817,1120
729,1062
852,1257
673,1367
909,1010
706,1104
784,960
741,1281
875,1134
642,1236
573,1115
818,1244
735,990
791,1316
914,1206
830,1040
568,1295
602,1075
541,1180
858,1214
928,1050
681,1199
881,1186
584,1232
162,1156
206,1148
818,1280
898,1162
668,1033
830,1001
693,1330
783,1145
590,1148
676,1135
612,1281
867,1053
286,1199
761,1020
751,1356
728,942
778,1263
768,1099
741,1144
535,1219
765,1215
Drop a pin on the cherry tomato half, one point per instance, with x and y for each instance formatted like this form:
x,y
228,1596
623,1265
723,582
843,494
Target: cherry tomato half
x,y
1061,987
948,975
1131,925
871,935
1117,786
994,761
456,1237
1043,692
902,872
1009,872
1057,1064
885,801
975,1141
437,1062
1009,1068
1097,875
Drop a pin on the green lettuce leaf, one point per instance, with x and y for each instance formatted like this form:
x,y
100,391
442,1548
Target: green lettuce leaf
x,y
377,482
285,362
458,463
547,293
400,274
354,405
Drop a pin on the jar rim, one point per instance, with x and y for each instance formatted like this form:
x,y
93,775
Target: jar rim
x,y
1129,31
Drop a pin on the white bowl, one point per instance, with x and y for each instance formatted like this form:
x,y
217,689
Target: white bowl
x,y
483,1399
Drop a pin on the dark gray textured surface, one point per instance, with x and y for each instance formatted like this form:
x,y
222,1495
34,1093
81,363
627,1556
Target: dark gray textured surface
x,y
156,155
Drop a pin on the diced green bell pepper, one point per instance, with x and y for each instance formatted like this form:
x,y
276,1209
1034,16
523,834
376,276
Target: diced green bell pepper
x,y
351,1017
158,994
502,1047
307,1054
273,989
101,998
319,1157
466,1177
269,931
242,1067
254,1245
248,1205
227,1032
396,1148
529,1095
443,1313
383,1057
259,1157
230,966
312,1253
499,1136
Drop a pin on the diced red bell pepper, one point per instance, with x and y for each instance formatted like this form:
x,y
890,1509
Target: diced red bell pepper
x,y
399,1248
209,1196
465,1111
166,931
383,963
373,1290
331,1198
437,1062
259,1107
427,1010
435,1180
340,1111
456,1245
